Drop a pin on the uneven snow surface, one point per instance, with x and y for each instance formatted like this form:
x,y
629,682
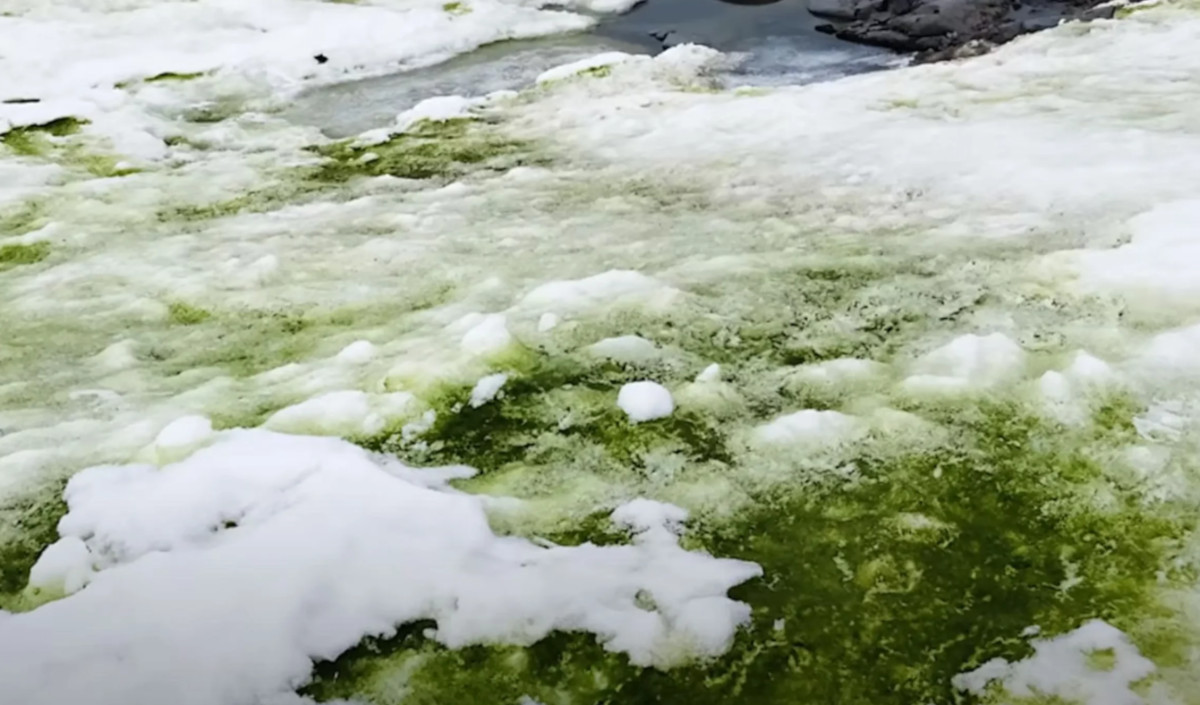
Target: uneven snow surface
x,y
287,419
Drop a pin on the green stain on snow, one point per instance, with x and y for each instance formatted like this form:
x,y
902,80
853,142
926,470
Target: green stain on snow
x,y
456,8
245,342
876,589
172,76
179,313
22,218
597,72
47,141
428,150
431,150
33,140
18,254
28,524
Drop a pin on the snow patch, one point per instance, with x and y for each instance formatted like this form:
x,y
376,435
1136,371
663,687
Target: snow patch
x,y
486,389
969,361
1060,668
318,545
808,426
645,401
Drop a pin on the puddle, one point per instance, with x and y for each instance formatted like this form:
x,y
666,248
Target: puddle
x,y
776,39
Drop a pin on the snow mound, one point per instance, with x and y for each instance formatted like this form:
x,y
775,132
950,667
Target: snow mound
x,y
1060,668
487,388
645,401
343,413
808,425
968,361
318,545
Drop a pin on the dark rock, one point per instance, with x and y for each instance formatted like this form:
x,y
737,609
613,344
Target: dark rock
x,y
837,9
880,37
939,30
826,29
321,58
1104,12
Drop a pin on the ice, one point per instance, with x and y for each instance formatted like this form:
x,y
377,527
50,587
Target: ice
x,y
1059,668
317,545
645,401
487,388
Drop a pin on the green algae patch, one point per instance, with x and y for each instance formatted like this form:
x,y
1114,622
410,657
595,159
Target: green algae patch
x,y
912,564
15,255
262,200
181,314
33,140
28,524
596,72
171,76
456,8
22,218
428,150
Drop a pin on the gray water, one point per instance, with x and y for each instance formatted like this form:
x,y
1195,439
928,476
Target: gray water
x,y
777,42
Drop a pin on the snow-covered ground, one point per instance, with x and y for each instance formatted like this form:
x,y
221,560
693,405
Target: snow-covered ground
x,y
619,387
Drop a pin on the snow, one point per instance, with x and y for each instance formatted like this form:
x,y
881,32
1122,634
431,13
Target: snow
x,y
358,353
488,335
1059,668
645,401
1045,202
318,544
574,68
625,349
968,361
64,567
1156,261
182,436
581,295
347,412
808,426
487,388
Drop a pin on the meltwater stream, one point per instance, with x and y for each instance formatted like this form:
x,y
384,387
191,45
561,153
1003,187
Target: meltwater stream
x,y
773,42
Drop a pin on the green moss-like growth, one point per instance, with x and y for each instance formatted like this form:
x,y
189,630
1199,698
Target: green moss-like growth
x,y
30,524
428,150
597,72
18,254
172,76
877,589
22,218
456,8
32,140
181,314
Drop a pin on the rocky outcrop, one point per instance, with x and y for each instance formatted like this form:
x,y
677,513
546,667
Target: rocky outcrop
x,y
943,29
